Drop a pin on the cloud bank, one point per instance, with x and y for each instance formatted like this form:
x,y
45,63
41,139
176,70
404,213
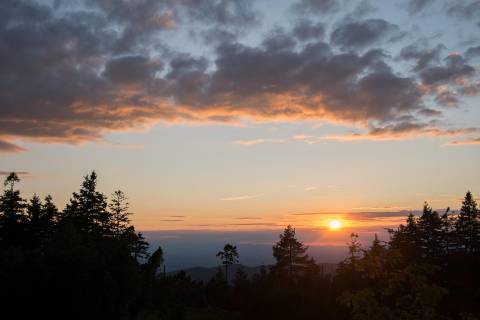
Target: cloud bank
x,y
73,72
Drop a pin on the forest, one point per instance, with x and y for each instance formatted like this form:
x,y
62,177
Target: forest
x,y
88,262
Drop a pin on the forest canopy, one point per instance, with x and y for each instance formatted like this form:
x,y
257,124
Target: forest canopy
x,y
88,261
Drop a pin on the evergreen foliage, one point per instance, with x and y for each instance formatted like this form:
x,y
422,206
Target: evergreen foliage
x,y
89,262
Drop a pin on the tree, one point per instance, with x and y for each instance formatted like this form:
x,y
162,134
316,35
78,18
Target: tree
x,y
468,225
229,256
430,233
88,208
153,263
12,212
34,213
138,244
447,230
118,206
354,247
405,240
290,254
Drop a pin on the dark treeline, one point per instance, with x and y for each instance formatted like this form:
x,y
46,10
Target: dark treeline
x,y
87,262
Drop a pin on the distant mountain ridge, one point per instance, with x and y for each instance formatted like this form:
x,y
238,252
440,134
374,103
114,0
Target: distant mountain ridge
x,y
206,273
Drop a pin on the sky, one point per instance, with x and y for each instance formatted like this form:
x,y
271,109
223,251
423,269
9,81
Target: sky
x,y
241,115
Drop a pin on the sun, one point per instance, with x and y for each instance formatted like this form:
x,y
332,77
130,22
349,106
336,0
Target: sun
x,y
335,225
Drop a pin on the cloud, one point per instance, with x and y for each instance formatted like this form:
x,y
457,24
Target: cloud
x,y
472,52
253,142
6,146
399,131
455,68
73,73
421,54
475,141
237,198
415,6
465,9
307,30
317,6
360,34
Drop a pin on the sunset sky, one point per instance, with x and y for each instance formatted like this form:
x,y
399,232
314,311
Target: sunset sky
x,y
245,115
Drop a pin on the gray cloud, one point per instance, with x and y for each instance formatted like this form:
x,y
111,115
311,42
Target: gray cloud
x,y
317,6
472,52
415,6
359,34
71,75
422,55
455,67
465,9
307,30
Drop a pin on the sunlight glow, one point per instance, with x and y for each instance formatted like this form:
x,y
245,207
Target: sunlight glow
x,y
335,225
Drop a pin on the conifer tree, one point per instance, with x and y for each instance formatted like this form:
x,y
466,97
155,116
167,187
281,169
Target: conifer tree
x,y
34,213
12,212
88,208
229,256
119,206
468,225
430,233
290,254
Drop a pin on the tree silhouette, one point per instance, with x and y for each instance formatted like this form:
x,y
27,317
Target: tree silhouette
x,y
468,225
290,254
430,232
229,256
118,206
88,208
12,212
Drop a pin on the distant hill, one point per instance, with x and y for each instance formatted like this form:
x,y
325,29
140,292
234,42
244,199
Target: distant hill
x,y
204,274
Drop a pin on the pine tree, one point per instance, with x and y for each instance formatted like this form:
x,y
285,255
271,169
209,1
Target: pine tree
x,y
34,213
467,227
290,254
430,233
87,209
229,256
406,240
139,246
447,231
119,206
12,213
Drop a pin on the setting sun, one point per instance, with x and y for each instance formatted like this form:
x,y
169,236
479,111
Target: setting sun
x,y
335,225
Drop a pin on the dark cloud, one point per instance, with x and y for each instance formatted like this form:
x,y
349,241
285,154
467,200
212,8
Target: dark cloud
x,y
427,112
415,6
307,30
221,12
455,68
72,73
278,40
131,70
317,6
472,52
422,56
136,21
465,9
360,34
